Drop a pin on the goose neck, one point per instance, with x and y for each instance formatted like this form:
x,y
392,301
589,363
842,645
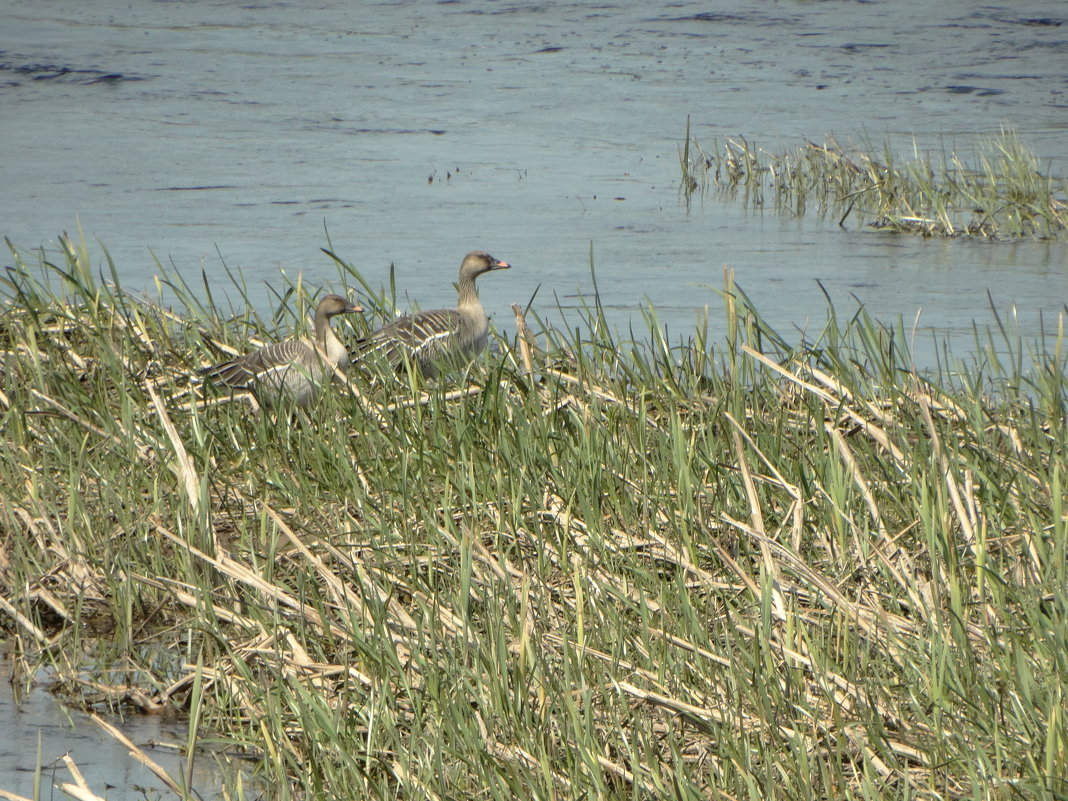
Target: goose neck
x,y
468,293
322,328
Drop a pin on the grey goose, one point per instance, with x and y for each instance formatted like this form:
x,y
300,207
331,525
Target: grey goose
x,y
427,339
293,369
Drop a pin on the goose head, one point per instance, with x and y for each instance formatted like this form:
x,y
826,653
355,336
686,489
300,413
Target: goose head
x,y
332,305
479,261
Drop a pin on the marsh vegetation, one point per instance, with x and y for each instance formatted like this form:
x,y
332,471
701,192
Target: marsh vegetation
x,y
999,192
585,568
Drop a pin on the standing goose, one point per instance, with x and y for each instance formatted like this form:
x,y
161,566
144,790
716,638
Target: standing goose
x,y
294,368
428,338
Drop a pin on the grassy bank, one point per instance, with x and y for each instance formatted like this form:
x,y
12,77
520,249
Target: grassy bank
x,y
1000,191
589,569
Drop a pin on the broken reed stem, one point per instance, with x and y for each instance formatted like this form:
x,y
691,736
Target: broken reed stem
x,y
186,468
525,339
141,757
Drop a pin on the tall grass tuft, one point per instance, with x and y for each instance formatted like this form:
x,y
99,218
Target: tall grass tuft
x,y
612,569
1000,193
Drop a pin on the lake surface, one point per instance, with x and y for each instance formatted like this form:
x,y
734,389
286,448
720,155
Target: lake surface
x,y
206,132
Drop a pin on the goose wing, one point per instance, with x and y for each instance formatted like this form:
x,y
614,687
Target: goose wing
x,y
416,337
245,371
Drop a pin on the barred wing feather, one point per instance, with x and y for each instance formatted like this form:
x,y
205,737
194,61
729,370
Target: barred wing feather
x,y
420,338
267,362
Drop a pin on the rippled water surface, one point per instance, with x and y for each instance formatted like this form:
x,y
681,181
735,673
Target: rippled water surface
x,y
204,132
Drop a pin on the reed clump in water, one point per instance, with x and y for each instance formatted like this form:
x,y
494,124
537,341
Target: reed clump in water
x,y
595,568
1000,194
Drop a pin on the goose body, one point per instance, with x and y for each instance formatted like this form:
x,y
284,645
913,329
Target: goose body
x,y
293,369
427,339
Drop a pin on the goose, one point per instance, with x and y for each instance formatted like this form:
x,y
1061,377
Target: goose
x,y
293,369
428,338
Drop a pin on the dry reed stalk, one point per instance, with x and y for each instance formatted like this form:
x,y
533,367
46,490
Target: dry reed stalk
x,y
244,396
591,389
874,431
874,621
425,398
398,613
188,599
245,575
686,645
24,622
115,694
862,485
403,777
525,338
141,757
185,468
48,598
343,596
516,754
588,652
965,517
702,717
757,522
144,451
80,788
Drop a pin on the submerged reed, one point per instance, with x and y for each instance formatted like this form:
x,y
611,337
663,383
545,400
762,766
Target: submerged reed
x,y
1000,194
587,568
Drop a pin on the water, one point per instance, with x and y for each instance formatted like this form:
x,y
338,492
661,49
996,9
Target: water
x,y
204,132
104,761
